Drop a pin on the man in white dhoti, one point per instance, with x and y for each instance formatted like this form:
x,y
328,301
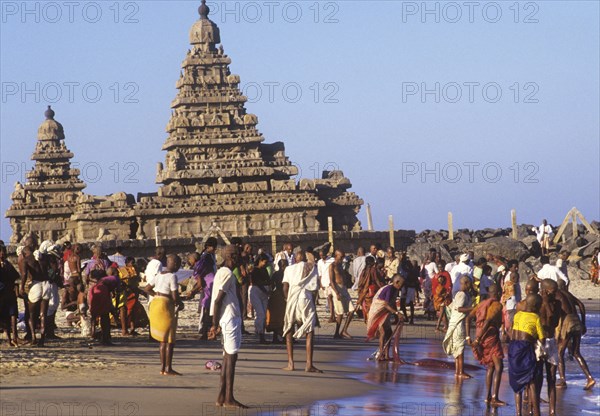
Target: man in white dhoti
x,y
225,310
543,234
454,341
299,284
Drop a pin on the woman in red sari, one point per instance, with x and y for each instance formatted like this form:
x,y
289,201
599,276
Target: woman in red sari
x,y
380,314
100,301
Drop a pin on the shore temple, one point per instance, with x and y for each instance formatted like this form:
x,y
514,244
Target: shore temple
x,y
217,172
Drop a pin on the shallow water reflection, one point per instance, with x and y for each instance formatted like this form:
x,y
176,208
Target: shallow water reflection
x,y
424,391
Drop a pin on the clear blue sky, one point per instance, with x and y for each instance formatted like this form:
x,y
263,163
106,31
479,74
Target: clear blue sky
x,y
369,61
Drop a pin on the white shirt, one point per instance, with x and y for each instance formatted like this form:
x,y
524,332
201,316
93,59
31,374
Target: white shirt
x,y
553,273
165,283
562,266
323,270
450,266
283,255
153,268
541,230
431,269
457,271
511,303
230,307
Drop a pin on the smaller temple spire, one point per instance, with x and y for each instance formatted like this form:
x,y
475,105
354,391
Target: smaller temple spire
x,y
204,10
49,113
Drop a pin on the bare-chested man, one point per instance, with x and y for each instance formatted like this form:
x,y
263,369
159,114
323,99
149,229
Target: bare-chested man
x,y
31,244
524,371
550,316
342,302
571,329
38,290
531,288
70,302
487,345
74,262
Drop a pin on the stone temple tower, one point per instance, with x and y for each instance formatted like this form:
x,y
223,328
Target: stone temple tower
x,y
45,202
219,171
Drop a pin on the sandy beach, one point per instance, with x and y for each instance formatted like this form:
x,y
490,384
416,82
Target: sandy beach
x,y
125,379
72,377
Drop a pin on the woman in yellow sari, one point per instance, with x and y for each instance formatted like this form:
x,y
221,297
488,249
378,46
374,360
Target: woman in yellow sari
x,y
163,312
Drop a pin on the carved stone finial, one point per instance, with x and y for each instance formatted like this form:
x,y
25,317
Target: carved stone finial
x,y
49,113
204,10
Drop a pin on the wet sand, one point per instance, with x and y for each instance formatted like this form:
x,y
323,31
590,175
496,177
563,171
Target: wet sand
x,y
70,378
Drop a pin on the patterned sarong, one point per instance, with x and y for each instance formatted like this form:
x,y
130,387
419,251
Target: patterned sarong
x,y
378,314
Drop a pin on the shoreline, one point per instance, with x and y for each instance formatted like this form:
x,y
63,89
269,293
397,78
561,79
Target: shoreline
x,y
591,305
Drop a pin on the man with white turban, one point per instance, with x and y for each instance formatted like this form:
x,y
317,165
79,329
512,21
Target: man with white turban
x,y
461,269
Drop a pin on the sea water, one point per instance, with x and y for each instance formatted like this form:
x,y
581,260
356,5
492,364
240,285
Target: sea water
x,y
418,391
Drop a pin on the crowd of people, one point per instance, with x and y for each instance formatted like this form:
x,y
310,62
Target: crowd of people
x,y
105,287
538,327
280,293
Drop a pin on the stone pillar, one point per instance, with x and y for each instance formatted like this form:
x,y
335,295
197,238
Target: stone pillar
x,y
369,218
330,231
391,227
513,220
273,244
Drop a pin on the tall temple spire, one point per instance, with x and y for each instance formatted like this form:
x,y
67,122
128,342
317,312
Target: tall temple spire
x,y
52,187
219,170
